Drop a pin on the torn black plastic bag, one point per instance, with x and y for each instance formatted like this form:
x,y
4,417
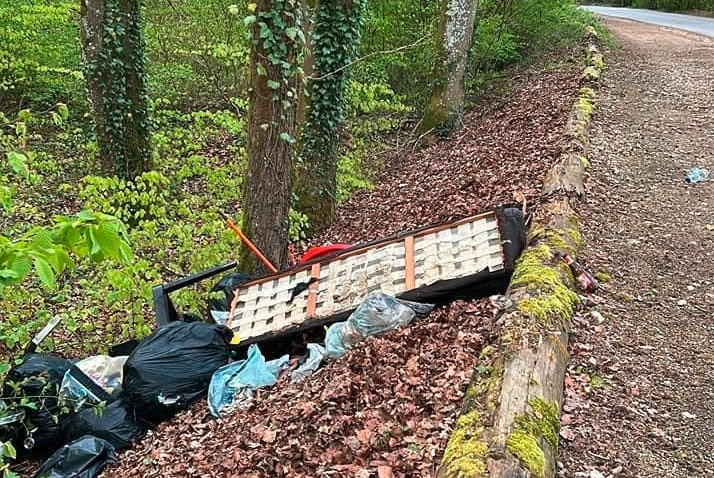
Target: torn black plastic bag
x,y
83,458
38,378
221,295
115,424
173,366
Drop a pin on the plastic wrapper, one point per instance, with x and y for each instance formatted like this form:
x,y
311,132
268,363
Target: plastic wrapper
x,y
106,372
232,386
38,375
315,354
83,458
378,313
115,424
173,366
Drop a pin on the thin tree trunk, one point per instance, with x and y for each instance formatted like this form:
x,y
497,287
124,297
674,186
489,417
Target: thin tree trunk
x,y
336,31
271,125
113,60
456,27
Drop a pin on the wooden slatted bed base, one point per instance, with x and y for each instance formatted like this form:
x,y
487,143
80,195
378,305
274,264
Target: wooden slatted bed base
x,y
468,257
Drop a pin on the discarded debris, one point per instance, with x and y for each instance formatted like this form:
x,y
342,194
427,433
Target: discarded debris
x,y
33,386
696,175
378,313
585,280
106,372
115,424
83,458
311,362
173,366
232,385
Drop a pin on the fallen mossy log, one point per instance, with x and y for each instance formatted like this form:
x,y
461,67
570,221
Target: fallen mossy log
x,y
509,422
510,418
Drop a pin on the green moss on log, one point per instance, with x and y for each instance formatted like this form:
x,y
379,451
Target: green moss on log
x,y
525,447
465,455
597,61
541,423
550,299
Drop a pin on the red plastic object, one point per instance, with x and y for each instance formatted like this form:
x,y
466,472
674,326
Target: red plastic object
x,y
322,251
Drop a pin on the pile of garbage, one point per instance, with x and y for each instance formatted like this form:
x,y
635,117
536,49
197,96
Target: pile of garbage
x,y
86,410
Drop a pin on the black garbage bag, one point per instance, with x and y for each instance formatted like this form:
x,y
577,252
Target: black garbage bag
x,y
221,295
38,378
83,458
173,366
115,424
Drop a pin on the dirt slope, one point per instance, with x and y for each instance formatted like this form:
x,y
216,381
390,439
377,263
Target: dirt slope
x,y
654,413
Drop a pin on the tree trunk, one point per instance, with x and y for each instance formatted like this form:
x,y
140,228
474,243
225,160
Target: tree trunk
x,y
334,40
113,60
274,61
456,27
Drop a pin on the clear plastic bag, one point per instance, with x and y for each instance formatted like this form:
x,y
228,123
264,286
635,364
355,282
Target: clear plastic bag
x,y
106,372
378,313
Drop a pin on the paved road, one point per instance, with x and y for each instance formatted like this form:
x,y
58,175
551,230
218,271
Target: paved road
x,y
701,25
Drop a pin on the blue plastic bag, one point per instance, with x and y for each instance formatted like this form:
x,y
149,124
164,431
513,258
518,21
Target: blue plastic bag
x,y
696,175
232,385
315,354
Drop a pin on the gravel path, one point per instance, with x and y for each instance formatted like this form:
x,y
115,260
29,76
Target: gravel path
x,y
640,389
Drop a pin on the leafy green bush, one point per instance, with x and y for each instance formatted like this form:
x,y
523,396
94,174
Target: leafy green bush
x,y
672,5
133,202
39,53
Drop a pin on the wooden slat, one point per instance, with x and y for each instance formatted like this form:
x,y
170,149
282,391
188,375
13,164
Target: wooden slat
x,y
410,278
312,294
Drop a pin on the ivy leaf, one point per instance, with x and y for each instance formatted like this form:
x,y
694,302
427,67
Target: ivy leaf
x,y
261,69
45,272
62,110
249,20
252,6
273,85
233,10
18,163
287,138
8,450
291,33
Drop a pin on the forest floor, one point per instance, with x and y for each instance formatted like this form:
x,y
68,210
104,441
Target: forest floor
x,y
639,392
387,408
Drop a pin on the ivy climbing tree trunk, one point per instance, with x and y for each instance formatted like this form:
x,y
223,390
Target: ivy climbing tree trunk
x,y
334,41
113,61
456,27
276,56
